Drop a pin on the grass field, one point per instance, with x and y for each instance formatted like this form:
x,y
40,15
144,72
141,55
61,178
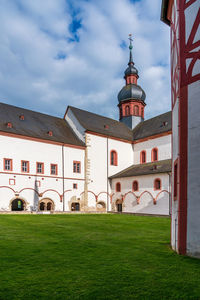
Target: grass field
x,y
92,257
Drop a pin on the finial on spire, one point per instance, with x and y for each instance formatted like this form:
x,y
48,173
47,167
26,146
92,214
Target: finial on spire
x,y
130,48
130,39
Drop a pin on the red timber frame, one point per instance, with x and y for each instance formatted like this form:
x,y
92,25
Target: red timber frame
x,y
182,52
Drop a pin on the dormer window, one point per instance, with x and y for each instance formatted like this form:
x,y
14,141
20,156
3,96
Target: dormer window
x,y
50,133
9,125
21,117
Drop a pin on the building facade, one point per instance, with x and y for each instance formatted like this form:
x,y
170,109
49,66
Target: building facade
x,y
184,20
87,162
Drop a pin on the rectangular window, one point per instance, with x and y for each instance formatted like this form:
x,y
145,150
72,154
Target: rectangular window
x,y
40,167
7,164
25,166
175,180
54,169
76,167
75,186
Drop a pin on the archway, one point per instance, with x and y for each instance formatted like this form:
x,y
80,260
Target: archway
x,y
46,205
75,206
17,205
101,206
119,205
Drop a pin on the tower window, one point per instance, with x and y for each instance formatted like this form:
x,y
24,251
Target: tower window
x,y
142,112
127,110
143,157
157,184
113,158
120,113
118,187
154,154
136,110
135,186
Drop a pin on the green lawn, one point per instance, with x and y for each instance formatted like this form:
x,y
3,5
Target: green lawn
x,y
92,257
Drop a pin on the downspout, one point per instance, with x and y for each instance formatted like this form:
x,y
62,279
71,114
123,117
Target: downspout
x,y
107,177
170,194
63,177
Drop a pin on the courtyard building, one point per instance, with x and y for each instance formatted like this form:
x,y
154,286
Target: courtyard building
x,y
85,162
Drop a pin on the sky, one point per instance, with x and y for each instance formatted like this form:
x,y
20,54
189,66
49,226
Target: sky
x,y
56,53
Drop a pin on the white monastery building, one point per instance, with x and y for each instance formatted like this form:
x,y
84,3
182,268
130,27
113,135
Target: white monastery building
x,y
183,16
87,162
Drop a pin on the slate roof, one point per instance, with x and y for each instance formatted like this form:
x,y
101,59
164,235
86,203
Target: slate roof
x,y
36,125
153,126
162,166
98,124
131,91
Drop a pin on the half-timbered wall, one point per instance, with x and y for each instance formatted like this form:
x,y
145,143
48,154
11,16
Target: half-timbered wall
x,y
185,76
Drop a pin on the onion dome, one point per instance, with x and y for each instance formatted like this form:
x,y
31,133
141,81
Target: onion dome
x,y
131,91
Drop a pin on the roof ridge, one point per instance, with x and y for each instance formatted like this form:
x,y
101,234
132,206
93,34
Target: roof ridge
x,y
98,115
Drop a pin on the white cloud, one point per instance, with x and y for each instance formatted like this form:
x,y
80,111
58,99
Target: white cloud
x,y
90,74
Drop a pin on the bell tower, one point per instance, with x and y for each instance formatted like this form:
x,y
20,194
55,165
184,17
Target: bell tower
x,y
131,97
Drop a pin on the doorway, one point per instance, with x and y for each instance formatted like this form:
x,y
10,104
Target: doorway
x,y
17,205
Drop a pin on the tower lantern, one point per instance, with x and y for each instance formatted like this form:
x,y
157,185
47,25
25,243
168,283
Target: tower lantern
x,y
131,97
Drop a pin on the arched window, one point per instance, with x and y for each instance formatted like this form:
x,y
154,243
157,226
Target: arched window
x,y
143,157
113,158
142,112
136,110
135,186
120,113
118,187
127,110
157,184
154,154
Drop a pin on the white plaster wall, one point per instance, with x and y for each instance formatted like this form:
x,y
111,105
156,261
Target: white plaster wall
x,y
162,143
32,151
99,149
193,210
146,183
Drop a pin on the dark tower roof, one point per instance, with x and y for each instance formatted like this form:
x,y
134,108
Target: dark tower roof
x,y
131,90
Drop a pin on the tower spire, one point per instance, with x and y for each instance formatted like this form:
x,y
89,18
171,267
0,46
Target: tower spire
x,y
131,97
130,48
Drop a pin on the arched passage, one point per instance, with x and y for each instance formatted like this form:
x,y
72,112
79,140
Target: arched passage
x,y
46,204
17,205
